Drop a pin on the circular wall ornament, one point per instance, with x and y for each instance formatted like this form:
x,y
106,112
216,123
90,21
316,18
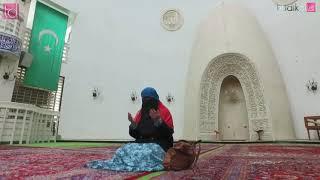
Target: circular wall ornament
x,y
171,19
284,2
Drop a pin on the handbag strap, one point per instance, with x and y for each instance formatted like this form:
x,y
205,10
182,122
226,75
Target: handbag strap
x,y
197,154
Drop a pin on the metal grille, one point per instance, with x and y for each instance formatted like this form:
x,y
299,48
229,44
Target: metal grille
x,y
26,39
65,52
41,98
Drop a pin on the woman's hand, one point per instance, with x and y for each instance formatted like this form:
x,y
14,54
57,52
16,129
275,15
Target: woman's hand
x,y
154,114
130,118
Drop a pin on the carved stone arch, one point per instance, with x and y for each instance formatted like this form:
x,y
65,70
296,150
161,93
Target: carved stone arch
x,y
244,70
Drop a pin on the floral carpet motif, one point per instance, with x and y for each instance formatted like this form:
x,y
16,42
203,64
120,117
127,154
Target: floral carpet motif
x,y
56,163
20,163
255,162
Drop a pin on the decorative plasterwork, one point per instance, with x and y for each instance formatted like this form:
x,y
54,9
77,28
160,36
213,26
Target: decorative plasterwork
x,y
240,67
171,19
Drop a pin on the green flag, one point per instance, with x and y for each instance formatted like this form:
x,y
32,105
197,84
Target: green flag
x,y
46,46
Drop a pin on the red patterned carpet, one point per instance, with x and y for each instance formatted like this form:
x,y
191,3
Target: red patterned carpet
x,y
54,163
255,162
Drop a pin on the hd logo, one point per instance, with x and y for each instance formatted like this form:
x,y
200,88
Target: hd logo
x,y
287,5
293,6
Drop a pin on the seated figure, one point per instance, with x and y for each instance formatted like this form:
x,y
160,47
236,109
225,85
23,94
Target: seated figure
x,y
152,128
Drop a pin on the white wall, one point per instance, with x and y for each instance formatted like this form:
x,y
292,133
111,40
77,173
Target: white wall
x,y
120,46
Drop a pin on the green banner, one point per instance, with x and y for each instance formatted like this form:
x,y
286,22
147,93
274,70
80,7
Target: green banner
x,y
46,46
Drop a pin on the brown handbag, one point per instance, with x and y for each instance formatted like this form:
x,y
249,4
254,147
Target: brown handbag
x,y
182,155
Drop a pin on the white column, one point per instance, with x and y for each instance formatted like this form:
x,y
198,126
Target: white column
x,y
23,126
3,123
30,127
14,127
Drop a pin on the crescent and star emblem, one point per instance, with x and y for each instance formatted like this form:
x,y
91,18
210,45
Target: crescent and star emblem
x,y
47,48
